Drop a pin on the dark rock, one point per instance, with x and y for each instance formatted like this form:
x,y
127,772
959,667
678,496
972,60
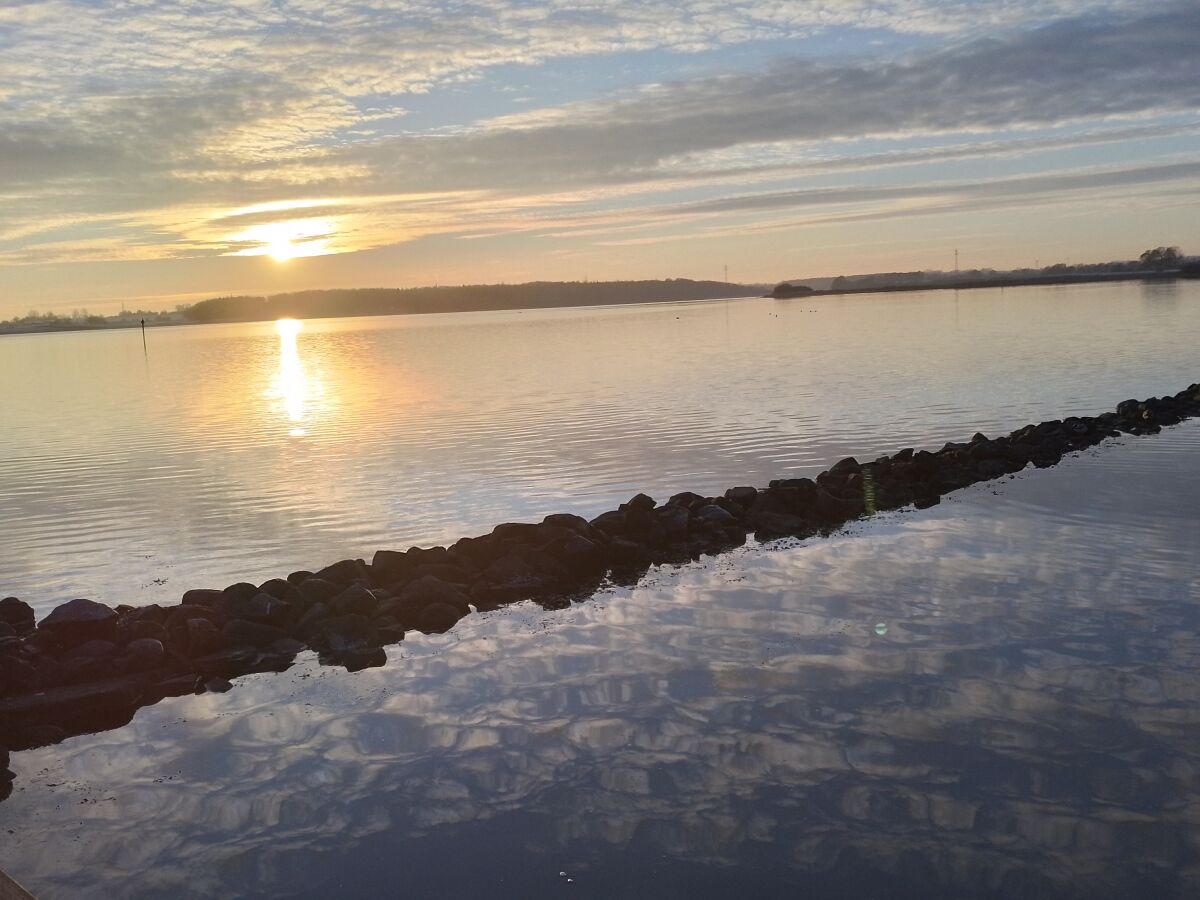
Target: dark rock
x,y
243,590
264,608
388,564
345,572
201,637
685,499
144,654
714,515
769,525
438,618
178,617
7,631
742,496
315,614
611,522
79,621
641,501
342,634
833,509
427,590
288,647
92,650
363,658
354,600
240,632
202,597
317,590
845,466
578,524
276,587
516,532
581,557
18,614
673,519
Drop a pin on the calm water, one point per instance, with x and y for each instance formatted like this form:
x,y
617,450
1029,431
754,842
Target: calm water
x,y
233,452
996,697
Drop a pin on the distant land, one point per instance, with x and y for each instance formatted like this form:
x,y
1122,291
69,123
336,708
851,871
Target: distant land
x,y
320,304
1158,263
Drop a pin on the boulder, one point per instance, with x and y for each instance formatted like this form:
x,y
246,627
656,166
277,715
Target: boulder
x,y
345,572
202,597
437,618
276,587
317,590
714,515
342,634
201,637
428,589
640,501
241,633
742,496
144,654
354,600
18,614
79,621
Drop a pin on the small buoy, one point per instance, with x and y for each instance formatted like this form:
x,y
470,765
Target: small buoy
x,y
881,628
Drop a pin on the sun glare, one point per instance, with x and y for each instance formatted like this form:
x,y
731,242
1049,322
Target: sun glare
x,y
283,241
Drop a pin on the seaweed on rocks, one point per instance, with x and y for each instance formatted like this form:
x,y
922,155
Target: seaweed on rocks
x,y
88,667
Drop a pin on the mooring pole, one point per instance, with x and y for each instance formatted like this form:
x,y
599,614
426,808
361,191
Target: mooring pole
x,y
144,350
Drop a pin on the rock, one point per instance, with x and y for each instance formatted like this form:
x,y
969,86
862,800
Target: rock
x,y
79,621
342,634
202,597
345,572
582,557
427,589
389,564
673,519
92,650
356,600
265,608
318,590
178,617
363,658
742,496
684,498
144,654
578,524
7,631
17,614
217,685
276,587
240,632
611,522
201,637
714,515
315,614
640,501
438,618
516,532
845,467
770,525
243,590
299,577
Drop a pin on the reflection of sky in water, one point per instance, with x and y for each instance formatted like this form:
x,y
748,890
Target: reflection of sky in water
x,y
1027,727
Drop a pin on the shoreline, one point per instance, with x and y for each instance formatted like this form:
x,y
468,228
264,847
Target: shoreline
x,y
87,667
975,284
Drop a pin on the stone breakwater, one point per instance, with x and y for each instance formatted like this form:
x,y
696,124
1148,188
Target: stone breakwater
x,y
87,666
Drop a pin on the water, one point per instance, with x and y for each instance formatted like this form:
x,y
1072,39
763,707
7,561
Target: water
x,y
237,452
1027,726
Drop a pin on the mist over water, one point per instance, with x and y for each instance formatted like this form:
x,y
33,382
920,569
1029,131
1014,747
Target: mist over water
x,y
242,452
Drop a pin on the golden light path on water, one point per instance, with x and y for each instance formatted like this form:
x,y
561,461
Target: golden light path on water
x,y
292,385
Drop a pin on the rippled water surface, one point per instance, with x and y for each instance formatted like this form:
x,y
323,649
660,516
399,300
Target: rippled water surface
x,y
234,452
996,697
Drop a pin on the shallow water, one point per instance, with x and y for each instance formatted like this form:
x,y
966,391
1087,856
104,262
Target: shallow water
x,y
996,697
233,452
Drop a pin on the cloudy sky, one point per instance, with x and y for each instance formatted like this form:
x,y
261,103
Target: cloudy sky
x,y
158,152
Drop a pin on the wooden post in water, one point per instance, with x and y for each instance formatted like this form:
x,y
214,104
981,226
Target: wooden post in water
x,y
144,350
10,890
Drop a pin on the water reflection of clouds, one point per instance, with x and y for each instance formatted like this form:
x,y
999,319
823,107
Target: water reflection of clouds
x,y
1027,725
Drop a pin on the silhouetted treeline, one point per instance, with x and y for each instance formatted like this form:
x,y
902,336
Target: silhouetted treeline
x,y
464,298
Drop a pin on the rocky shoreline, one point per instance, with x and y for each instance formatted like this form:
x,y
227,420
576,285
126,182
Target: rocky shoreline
x,y
89,667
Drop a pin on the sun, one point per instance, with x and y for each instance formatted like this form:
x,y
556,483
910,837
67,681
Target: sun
x,y
281,249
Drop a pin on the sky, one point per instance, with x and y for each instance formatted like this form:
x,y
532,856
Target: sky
x,y
155,153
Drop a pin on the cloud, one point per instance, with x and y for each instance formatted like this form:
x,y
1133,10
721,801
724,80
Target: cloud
x,y
170,114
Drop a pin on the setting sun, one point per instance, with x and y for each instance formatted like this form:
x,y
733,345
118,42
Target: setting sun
x,y
283,241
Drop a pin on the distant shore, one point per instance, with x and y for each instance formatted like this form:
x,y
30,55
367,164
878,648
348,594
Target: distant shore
x,y
347,303
788,291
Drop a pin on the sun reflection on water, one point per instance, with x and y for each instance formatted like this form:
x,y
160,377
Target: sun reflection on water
x,y
292,385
